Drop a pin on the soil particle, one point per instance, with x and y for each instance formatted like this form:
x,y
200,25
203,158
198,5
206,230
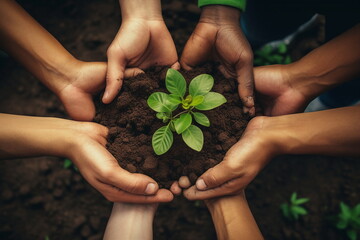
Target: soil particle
x,y
150,163
85,231
79,221
7,195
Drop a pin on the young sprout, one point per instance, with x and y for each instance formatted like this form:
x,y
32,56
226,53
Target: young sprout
x,y
349,220
293,210
198,98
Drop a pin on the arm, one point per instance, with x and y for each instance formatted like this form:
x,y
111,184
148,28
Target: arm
x,y
141,42
71,80
232,218
131,221
219,38
332,132
84,143
285,89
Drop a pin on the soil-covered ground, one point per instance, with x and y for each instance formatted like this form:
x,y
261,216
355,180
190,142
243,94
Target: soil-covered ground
x,y
39,198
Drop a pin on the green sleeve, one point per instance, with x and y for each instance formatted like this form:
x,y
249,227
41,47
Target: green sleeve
x,y
240,4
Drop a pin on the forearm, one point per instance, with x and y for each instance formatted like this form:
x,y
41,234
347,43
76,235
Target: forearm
x,y
149,10
233,219
22,136
331,132
30,44
131,222
333,63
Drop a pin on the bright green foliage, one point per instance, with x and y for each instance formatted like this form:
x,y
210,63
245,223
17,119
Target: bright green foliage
x,y
293,210
199,98
269,55
349,220
67,163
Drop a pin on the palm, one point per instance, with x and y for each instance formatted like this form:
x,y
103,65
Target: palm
x,y
275,93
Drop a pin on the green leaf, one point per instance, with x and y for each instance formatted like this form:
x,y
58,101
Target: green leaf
x,y
287,60
174,99
162,140
159,102
193,137
293,197
282,48
183,122
299,210
300,201
201,118
285,210
197,100
211,100
345,210
175,82
67,163
351,234
357,209
201,85
342,224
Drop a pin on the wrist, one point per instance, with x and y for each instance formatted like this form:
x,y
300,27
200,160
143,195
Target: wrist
x,y
149,10
220,15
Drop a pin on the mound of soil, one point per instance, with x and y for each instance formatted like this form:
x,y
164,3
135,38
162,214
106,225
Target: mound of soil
x,y
132,124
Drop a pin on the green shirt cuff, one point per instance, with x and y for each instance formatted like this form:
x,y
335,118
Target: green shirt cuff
x,y
240,4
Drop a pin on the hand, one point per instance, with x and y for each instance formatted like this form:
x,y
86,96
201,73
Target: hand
x,y
275,92
139,43
218,37
81,82
103,172
240,165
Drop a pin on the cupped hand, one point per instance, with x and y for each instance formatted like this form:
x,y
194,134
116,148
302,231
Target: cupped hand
x,y
239,167
139,43
103,172
85,80
276,93
222,40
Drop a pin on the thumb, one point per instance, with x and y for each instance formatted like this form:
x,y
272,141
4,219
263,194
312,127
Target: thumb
x,y
114,77
132,182
215,177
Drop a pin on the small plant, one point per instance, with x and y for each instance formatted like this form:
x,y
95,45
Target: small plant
x,y
293,210
268,55
349,220
199,98
68,164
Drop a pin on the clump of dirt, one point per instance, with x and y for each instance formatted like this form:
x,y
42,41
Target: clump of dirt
x,y
132,123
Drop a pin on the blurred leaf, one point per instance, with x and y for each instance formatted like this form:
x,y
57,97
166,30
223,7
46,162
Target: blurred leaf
x,y
351,234
301,201
67,163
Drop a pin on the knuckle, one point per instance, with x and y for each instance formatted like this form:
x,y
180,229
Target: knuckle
x,y
247,57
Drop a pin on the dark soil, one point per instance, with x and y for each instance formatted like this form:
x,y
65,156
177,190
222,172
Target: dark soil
x,y
132,123
39,198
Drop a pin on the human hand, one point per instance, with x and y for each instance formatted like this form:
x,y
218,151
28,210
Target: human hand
x,y
103,172
276,92
142,41
218,37
241,164
81,82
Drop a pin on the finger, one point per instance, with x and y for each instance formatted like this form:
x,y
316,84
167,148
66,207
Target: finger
x,y
197,50
184,182
228,188
224,72
176,66
175,188
245,78
117,195
132,72
114,76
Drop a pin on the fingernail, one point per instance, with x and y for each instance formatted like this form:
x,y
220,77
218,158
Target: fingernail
x,y
150,188
250,101
200,184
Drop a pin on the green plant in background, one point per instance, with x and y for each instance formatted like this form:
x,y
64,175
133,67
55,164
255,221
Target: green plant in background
x,y
199,98
293,210
268,55
68,164
349,220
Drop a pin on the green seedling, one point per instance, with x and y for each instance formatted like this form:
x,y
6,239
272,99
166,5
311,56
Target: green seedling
x,y
198,98
348,220
293,210
68,164
267,55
